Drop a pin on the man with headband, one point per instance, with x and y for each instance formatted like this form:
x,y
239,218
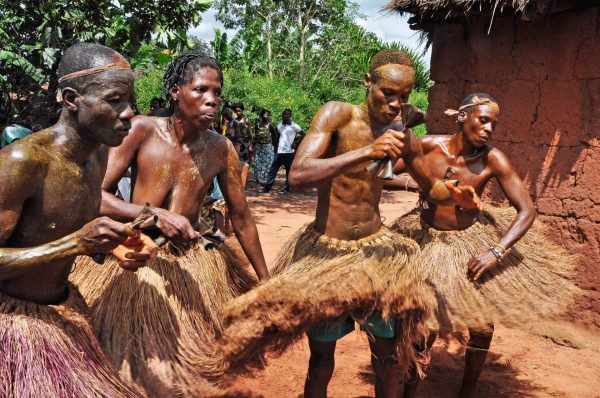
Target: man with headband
x,y
491,266
49,200
346,265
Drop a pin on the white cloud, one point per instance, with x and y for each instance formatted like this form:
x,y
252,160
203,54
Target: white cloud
x,y
206,29
388,27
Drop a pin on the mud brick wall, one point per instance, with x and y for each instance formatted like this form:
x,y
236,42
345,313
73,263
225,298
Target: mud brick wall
x,y
546,76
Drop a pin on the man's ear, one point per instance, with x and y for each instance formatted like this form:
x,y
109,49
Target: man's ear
x,y
69,97
462,116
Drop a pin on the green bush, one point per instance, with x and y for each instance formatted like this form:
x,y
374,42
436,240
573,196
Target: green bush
x,y
257,92
147,86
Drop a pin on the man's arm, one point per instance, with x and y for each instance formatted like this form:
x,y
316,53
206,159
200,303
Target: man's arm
x,y
310,170
519,198
242,221
119,159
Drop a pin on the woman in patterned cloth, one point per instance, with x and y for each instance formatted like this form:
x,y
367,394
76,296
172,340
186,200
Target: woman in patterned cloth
x,y
265,140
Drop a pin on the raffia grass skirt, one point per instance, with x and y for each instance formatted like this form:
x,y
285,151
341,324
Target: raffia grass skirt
x,y
158,325
316,278
530,283
51,351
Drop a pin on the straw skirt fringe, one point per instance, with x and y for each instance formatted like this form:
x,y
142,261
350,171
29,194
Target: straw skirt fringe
x,y
157,325
50,351
530,283
316,278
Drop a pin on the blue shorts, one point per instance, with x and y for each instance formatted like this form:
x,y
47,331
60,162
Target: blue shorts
x,y
337,328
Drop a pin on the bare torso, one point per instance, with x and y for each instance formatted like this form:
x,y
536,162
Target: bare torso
x,y
61,197
471,170
348,205
176,176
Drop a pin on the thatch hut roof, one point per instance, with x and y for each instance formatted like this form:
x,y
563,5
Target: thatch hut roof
x,y
428,11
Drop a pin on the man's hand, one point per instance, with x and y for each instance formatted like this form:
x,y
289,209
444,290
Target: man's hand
x,y
464,195
480,264
135,251
175,226
102,235
389,145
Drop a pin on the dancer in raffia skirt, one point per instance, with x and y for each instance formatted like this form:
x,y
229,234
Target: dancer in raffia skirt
x,y
158,324
346,266
49,196
495,266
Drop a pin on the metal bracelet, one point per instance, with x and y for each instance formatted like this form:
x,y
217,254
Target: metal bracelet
x,y
496,253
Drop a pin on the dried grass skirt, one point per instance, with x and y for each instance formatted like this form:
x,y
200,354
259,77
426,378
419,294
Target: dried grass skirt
x,y
530,283
157,325
51,351
316,278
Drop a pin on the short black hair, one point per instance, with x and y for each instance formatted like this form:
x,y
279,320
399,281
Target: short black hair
x,y
263,111
287,110
82,56
182,68
469,98
227,112
239,105
385,57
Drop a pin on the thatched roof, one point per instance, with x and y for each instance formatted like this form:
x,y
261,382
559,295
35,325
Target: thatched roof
x,y
427,11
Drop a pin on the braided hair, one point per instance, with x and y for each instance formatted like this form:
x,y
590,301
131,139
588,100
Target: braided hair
x,y
182,68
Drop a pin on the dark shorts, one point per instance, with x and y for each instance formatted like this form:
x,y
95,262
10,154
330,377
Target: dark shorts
x,y
337,328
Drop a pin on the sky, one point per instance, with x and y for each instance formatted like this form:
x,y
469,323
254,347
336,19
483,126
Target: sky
x,y
388,27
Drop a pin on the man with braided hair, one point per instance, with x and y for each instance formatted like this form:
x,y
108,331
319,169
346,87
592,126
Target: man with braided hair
x,y
346,265
490,266
157,325
49,202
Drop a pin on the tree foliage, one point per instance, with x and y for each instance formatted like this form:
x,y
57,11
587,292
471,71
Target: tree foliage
x,y
35,33
337,54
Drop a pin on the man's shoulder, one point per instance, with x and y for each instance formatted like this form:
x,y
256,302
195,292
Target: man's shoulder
x,y
340,112
25,157
429,142
496,158
341,108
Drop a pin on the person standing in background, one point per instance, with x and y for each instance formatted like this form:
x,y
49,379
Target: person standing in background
x,y
286,131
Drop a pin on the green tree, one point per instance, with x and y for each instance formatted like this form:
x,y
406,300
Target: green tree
x,y
34,35
252,16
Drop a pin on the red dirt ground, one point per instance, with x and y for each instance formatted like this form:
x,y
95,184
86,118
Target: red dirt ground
x,y
538,362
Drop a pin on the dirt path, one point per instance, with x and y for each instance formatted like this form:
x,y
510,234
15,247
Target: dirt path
x,y
520,363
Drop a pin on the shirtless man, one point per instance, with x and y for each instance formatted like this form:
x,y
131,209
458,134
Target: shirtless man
x,y
333,157
468,157
176,160
49,200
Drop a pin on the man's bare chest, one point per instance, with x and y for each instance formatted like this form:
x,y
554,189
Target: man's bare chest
x,y
62,205
468,171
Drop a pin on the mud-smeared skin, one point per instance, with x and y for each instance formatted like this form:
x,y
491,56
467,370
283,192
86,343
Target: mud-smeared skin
x,y
50,187
177,158
475,163
342,139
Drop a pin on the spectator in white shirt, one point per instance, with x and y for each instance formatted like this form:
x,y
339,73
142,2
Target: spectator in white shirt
x,y
286,131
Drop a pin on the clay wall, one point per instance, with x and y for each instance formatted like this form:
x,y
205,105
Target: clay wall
x,y
546,76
